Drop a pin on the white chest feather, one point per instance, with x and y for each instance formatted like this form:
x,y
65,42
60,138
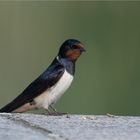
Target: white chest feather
x,y
53,94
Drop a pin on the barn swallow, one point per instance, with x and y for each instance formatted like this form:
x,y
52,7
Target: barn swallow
x,y
45,90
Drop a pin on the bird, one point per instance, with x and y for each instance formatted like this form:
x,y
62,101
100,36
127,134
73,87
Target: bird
x,y
47,89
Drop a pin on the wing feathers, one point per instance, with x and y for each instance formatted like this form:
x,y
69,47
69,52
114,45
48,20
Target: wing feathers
x,y
42,83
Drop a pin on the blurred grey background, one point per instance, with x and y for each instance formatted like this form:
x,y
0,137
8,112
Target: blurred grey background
x,y
107,78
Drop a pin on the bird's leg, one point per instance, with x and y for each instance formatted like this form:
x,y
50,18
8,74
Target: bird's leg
x,y
48,112
55,111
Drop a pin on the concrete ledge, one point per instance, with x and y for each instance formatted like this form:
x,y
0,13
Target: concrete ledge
x,y
68,127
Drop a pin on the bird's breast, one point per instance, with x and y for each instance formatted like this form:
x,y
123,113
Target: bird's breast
x,y
50,96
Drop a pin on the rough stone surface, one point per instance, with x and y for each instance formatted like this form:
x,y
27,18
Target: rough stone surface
x,y
68,127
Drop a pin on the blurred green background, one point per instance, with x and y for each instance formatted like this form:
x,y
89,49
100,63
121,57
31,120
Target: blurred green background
x,y
107,78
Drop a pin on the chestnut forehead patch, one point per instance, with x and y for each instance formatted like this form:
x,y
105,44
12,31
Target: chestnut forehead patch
x,y
81,45
78,46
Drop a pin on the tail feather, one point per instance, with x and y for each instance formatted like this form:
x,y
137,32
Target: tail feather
x,y
16,103
8,108
17,106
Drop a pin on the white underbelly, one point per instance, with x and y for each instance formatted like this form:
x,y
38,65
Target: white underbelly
x,y
51,95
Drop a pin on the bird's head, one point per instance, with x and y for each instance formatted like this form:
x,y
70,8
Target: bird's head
x,y
71,49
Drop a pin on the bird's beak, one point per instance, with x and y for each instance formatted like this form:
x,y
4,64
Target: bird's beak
x,y
82,50
81,47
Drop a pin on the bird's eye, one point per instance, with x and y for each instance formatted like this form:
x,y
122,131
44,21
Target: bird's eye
x,y
74,47
71,47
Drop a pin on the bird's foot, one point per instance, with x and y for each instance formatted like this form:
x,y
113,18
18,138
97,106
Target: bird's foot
x,y
56,113
52,111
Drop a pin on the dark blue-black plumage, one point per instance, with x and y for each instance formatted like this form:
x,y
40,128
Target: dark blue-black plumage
x,y
48,78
